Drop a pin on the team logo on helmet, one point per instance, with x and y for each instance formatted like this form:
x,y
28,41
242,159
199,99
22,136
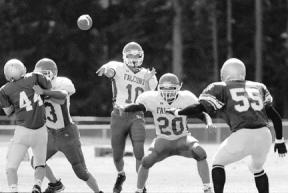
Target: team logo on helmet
x,y
14,69
169,86
233,69
133,55
47,67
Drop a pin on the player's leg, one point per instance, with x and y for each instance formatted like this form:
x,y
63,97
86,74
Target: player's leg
x,y
39,149
158,151
260,147
137,136
15,155
189,147
119,132
71,147
232,149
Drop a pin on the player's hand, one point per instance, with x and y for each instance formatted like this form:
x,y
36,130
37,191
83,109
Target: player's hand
x,y
280,147
38,90
211,126
104,70
171,111
149,74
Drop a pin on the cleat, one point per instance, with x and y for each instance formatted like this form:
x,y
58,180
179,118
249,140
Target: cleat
x,y
118,184
55,187
144,190
36,189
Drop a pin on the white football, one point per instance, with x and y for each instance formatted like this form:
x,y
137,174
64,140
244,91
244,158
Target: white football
x,y
84,22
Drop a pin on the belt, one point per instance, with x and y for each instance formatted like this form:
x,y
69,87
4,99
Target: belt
x,y
56,130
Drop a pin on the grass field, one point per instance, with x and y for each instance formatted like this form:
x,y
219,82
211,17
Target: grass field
x,y
175,174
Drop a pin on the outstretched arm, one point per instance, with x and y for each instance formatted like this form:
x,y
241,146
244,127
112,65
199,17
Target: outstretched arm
x,y
55,94
189,110
275,117
135,108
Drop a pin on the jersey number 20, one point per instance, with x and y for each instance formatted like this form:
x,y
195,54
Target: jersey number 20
x,y
246,98
176,125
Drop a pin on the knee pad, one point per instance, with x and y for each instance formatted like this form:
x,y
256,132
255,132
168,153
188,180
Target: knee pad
x,y
147,163
199,152
81,171
138,152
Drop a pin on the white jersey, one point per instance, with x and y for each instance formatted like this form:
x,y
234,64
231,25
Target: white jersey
x,y
58,115
127,85
168,126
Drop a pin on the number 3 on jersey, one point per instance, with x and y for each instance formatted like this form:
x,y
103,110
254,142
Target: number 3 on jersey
x,y
246,98
25,102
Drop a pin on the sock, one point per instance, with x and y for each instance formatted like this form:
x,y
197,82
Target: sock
x,y
121,172
13,188
219,178
262,183
140,190
206,186
38,182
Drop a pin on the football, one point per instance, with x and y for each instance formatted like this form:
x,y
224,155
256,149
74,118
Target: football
x,y
84,22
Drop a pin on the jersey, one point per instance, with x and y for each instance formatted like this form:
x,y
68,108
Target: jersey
x,y
127,85
167,126
58,115
28,106
241,102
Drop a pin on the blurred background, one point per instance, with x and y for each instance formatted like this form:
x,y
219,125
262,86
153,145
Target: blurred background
x,y
191,38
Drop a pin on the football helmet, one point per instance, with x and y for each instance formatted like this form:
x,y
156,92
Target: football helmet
x,y
133,55
47,67
14,69
233,69
169,86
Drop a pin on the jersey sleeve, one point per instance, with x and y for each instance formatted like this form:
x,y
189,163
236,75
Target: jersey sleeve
x,y
212,97
268,99
4,100
66,84
144,100
190,98
43,81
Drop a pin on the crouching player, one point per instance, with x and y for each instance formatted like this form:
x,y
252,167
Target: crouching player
x,y
173,137
63,134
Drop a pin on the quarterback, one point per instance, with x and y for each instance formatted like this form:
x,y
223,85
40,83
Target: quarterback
x,y
246,106
63,134
129,80
18,97
173,137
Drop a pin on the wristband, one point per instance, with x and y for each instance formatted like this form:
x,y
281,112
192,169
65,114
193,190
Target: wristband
x,y
280,140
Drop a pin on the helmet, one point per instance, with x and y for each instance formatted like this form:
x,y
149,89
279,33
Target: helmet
x,y
168,86
14,69
133,55
47,67
233,69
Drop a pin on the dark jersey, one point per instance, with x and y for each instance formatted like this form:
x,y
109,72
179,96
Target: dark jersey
x,y
28,106
242,103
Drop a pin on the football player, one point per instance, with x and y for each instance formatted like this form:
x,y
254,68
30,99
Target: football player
x,y
63,134
18,97
129,80
246,106
173,137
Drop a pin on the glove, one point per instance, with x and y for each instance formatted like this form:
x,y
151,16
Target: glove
x,y
105,70
280,147
172,111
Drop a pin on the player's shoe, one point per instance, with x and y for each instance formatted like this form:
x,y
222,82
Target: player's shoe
x,y
55,187
144,190
118,184
36,189
208,190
